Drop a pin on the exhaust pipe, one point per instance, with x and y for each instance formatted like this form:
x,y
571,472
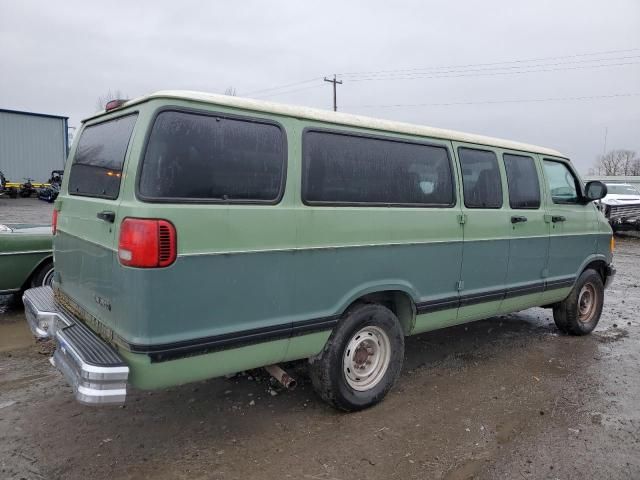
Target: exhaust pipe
x,y
286,380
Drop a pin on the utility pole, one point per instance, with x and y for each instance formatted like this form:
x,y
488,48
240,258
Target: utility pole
x,y
335,84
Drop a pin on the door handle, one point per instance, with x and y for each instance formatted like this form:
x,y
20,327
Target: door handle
x,y
518,219
558,218
107,216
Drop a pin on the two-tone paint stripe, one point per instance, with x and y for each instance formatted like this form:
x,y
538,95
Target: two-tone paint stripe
x,y
185,348
492,295
169,351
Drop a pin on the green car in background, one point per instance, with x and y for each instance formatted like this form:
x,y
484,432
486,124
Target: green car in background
x,y
26,259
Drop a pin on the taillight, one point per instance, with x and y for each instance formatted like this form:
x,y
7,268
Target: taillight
x,y
166,243
147,243
54,221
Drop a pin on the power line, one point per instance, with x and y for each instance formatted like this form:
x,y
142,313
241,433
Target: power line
x,y
491,69
275,94
282,86
461,71
491,74
490,102
529,60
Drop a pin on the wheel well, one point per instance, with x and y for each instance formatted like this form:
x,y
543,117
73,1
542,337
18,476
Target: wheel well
x,y
35,271
398,302
599,266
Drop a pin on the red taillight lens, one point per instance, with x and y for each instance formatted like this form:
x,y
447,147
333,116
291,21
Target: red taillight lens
x,y
166,243
54,221
147,243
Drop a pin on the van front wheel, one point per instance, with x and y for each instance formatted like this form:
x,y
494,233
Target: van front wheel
x,y
361,360
580,312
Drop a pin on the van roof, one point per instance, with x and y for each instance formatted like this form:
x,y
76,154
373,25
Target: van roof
x,y
340,118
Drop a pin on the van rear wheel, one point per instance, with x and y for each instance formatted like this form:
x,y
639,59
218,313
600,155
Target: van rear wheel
x,y
580,312
361,360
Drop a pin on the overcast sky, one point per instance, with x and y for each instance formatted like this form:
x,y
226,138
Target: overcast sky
x,y
461,65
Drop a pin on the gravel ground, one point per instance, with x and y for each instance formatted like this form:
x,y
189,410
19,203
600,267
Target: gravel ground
x,y
25,210
505,398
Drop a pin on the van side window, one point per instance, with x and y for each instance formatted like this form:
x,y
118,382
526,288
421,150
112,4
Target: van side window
x,y
349,169
563,185
480,178
206,158
97,165
522,180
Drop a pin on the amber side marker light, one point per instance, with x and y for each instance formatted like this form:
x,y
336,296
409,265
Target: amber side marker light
x,y
612,243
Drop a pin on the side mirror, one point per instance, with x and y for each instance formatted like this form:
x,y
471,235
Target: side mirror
x,y
594,190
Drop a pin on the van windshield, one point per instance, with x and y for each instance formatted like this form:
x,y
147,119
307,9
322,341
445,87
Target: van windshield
x,y
97,165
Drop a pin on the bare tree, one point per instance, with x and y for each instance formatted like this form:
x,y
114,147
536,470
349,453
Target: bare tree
x,y
110,95
231,91
618,162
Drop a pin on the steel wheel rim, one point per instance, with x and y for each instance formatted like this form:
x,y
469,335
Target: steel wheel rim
x,y
48,279
366,358
587,302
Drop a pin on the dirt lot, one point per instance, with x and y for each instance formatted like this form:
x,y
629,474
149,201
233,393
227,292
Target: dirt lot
x,y
24,210
508,398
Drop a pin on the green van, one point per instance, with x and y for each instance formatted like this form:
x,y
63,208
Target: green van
x,y
199,235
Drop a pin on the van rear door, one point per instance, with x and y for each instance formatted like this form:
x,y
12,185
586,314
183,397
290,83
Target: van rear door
x,y
84,244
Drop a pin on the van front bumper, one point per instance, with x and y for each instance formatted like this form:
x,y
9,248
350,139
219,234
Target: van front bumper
x,y
93,368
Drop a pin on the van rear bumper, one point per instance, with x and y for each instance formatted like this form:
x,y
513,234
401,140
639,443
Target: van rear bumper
x,y
93,368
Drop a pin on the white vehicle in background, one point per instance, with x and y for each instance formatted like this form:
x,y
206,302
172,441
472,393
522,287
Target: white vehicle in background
x,y
621,206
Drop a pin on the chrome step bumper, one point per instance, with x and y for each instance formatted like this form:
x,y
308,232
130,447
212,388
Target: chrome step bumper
x,y
93,368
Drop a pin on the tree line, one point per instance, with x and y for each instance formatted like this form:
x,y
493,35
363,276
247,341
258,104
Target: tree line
x,y
618,162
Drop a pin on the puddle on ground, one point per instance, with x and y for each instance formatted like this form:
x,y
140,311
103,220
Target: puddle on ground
x,y
14,331
611,335
14,334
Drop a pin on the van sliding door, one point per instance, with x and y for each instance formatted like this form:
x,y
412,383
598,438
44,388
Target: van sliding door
x,y
486,233
529,243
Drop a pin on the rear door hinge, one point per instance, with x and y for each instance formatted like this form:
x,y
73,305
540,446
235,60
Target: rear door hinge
x,y
460,285
462,218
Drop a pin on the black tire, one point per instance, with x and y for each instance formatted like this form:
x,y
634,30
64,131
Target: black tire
x,y
44,275
579,313
328,369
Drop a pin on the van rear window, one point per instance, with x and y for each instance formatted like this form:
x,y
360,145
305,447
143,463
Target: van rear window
x,y
209,158
97,165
